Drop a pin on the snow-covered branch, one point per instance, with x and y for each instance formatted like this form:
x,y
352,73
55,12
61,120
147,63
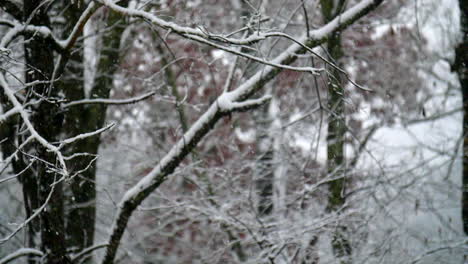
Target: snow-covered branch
x,y
21,253
463,245
185,31
198,34
228,106
135,195
85,252
110,101
20,29
25,116
65,45
84,135
228,102
9,113
8,159
45,32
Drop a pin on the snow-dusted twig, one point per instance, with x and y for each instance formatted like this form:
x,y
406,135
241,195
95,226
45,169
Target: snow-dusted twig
x,y
34,215
17,174
110,101
22,252
84,135
67,44
254,58
90,163
76,258
8,159
434,117
459,245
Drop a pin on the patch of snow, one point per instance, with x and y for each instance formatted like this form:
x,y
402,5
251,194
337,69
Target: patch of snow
x,y
248,136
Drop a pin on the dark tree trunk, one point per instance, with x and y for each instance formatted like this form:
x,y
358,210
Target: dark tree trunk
x,y
460,66
80,194
265,168
39,184
336,133
68,220
81,213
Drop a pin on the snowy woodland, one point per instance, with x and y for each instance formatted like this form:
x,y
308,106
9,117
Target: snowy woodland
x,y
234,131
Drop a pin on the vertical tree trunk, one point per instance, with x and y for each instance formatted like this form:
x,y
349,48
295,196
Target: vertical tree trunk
x,y
86,118
461,66
336,133
80,194
38,53
57,230
265,171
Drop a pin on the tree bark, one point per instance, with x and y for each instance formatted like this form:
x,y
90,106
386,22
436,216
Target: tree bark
x,y
80,194
38,55
336,133
264,167
86,118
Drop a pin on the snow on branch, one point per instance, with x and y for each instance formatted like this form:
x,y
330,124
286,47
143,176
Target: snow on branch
x,y
8,23
45,32
84,135
315,37
8,159
62,46
9,113
25,116
85,252
226,103
237,52
135,195
463,245
184,31
110,101
22,252
20,29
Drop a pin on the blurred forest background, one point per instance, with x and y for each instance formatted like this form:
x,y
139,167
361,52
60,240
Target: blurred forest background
x,y
233,131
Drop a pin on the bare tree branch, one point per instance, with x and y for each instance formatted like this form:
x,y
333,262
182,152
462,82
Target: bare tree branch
x,y
110,101
21,253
